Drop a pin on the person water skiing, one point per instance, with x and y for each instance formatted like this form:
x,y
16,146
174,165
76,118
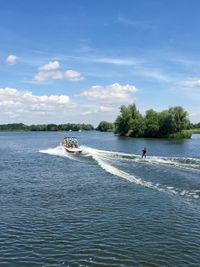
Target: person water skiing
x,y
144,152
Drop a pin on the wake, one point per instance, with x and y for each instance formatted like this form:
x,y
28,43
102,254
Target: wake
x,y
107,160
96,155
190,164
58,151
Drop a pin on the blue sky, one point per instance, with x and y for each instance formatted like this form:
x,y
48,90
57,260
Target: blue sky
x,y
79,61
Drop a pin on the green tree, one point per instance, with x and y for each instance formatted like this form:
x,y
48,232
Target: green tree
x,y
151,123
51,127
122,123
136,122
165,124
105,126
130,122
179,118
168,123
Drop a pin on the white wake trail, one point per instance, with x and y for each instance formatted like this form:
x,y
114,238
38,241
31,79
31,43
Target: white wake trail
x,y
104,157
57,151
96,155
188,164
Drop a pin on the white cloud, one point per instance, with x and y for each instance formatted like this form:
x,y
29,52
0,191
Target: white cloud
x,y
155,74
11,59
106,108
97,109
190,83
117,61
139,25
29,108
26,105
12,96
73,75
88,112
114,93
50,72
52,65
45,75
188,63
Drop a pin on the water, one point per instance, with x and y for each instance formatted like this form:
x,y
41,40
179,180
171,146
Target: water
x,y
106,207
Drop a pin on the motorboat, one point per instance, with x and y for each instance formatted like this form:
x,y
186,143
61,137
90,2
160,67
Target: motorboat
x,y
70,144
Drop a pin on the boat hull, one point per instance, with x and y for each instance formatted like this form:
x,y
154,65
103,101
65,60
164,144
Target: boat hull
x,y
73,150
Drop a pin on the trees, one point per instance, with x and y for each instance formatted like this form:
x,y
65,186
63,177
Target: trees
x,y
194,125
137,124
179,118
105,126
123,121
45,127
166,123
130,122
173,120
151,123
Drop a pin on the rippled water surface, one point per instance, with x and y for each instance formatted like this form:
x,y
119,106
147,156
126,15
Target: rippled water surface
x,y
106,207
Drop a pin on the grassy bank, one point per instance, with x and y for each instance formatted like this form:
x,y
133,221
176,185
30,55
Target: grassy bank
x,y
194,131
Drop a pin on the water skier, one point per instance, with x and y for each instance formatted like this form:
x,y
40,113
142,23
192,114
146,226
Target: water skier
x,y
144,152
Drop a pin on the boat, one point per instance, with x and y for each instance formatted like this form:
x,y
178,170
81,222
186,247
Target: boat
x,y
70,144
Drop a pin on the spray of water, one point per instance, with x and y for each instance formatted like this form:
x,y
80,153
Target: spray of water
x,y
58,151
104,159
97,155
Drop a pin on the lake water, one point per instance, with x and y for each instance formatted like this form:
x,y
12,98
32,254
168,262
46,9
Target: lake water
x,y
106,207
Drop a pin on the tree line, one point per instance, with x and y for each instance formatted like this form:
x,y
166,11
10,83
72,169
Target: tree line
x,y
167,123
46,127
173,123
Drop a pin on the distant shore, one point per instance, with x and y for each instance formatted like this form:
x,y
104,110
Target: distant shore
x,y
20,127
46,127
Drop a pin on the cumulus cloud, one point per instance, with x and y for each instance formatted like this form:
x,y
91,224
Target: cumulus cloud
x,y
52,65
114,93
29,108
50,72
11,59
73,75
18,103
42,76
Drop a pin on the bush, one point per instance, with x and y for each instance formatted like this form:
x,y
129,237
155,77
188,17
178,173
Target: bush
x,y
181,135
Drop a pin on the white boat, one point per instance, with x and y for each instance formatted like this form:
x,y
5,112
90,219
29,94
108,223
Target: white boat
x,y
70,144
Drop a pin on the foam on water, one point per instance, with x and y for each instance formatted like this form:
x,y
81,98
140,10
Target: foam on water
x,y
104,159
116,171
58,151
191,164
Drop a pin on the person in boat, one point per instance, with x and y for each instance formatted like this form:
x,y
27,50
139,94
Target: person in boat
x,y
144,152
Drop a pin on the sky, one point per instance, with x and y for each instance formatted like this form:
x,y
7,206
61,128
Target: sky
x,y
78,61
